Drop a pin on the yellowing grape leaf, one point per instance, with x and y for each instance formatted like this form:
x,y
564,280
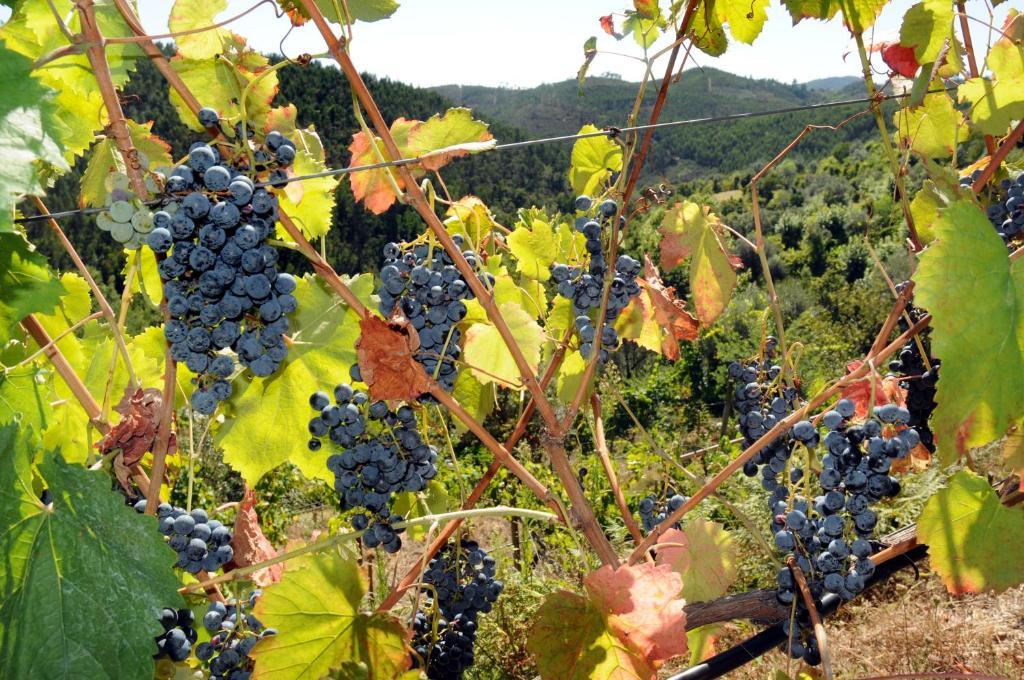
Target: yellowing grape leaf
x,y
222,84
645,31
474,396
60,560
656,319
593,161
570,640
470,217
704,554
925,210
570,376
533,244
707,32
976,298
309,203
858,15
431,501
927,26
490,359
745,17
324,331
932,129
1013,455
372,186
631,622
444,137
191,14
996,102
32,134
693,231
315,608
974,541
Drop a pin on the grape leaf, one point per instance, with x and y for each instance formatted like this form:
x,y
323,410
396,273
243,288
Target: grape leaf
x,y
692,231
372,186
976,298
222,84
488,356
858,15
533,244
359,10
899,58
589,52
474,396
105,159
655,318
570,640
443,137
996,102
707,32
324,331
30,134
25,396
926,27
570,376
190,14
432,501
26,284
925,209
645,30
470,217
61,561
315,608
933,129
593,161
251,545
974,542
309,203
704,555
386,351
745,17
1013,455
648,9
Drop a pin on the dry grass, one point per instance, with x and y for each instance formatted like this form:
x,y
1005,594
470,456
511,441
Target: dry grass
x,y
911,626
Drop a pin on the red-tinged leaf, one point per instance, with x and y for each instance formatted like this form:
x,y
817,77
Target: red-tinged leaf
x,y
643,607
250,544
284,119
372,186
608,25
669,311
648,9
899,58
136,432
887,390
386,359
704,555
443,137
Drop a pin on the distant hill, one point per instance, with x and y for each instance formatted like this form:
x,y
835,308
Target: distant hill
x,y
833,84
687,151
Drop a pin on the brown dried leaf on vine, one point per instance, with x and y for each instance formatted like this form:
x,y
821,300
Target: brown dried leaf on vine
x,y
136,433
250,544
386,354
669,311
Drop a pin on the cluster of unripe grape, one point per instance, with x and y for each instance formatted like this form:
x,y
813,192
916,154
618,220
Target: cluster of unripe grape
x,y
585,285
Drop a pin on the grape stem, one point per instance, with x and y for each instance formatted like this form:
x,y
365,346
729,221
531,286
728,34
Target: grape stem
x,y
101,299
1004,148
338,539
101,71
601,446
972,62
812,611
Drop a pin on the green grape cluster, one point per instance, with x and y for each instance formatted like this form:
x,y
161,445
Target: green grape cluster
x,y
126,218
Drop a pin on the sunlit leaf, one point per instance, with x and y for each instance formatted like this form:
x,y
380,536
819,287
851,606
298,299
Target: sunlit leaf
x,y
594,159
191,14
996,102
488,356
704,554
533,245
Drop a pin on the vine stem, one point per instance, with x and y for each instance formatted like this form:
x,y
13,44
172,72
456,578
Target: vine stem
x,y
412,575
601,445
101,299
812,611
101,71
338,539
1004,148
972,62
761,248
163,430
778,430
890,152
556,452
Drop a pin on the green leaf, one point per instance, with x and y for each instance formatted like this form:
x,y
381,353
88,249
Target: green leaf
x,y
477,398
61,562
974,541
589,52
30,134
925,210
470,217
222,84
533,245
644,31
359,10
976,298
324,331
432,501
189,14
995,103
926,28
707,32
704,554
571,641
570,376
690,231
105,159
593,161
933,129
310,203
26,284
745,17
488,356
443,137
315,608
25,397
858,15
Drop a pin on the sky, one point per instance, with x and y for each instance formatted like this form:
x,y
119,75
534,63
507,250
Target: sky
x,y
523,43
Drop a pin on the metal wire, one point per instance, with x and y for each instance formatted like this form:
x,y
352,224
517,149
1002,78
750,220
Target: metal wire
x,y
607,132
